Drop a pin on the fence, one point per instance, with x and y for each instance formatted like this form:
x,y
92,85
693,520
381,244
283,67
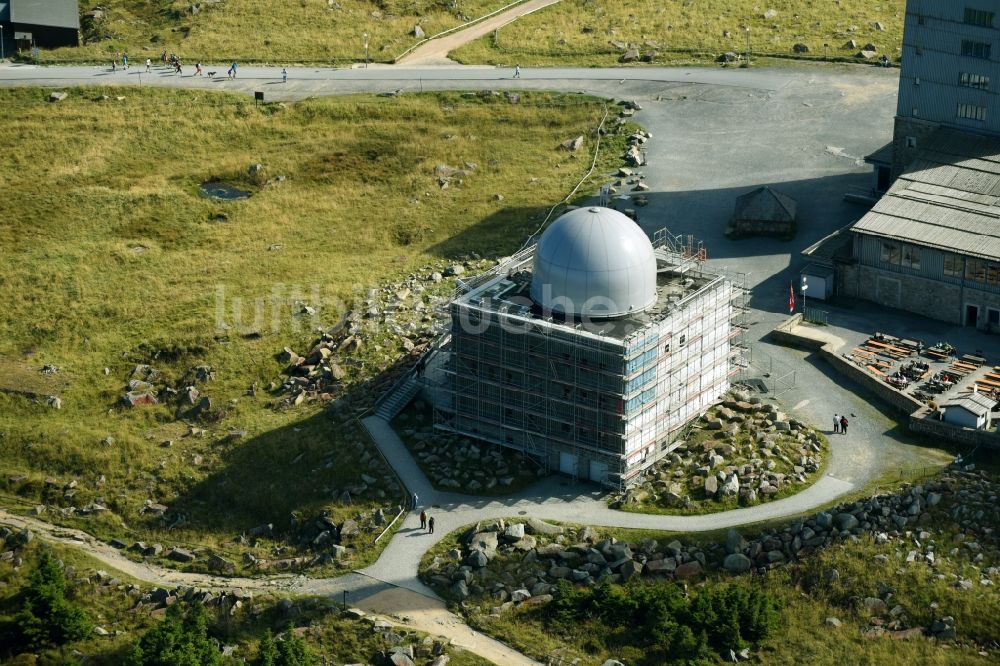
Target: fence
x,y
816,316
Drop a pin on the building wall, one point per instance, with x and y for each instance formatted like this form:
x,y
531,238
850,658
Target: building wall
x,y
926,290
931,86
598,406
963,418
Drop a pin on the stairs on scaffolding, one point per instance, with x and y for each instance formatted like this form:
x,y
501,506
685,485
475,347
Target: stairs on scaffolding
x,y
398,397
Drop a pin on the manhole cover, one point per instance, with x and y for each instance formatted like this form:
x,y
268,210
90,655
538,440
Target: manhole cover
x,y
224,191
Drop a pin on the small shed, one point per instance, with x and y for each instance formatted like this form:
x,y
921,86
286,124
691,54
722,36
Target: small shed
x,y
41,23
764,212
969,411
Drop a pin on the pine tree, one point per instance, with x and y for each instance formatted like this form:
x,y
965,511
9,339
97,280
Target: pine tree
x,y
46,616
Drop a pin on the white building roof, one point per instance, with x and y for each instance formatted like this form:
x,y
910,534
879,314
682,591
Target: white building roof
x,y
976,403
594,262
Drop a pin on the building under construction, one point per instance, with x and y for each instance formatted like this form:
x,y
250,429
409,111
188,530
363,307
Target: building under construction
x,y
592,350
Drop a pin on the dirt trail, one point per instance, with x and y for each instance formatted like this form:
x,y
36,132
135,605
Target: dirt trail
x,y
398,605
431,616
435,51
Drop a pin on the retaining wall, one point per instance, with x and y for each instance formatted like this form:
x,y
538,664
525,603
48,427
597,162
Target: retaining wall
x,y
921,417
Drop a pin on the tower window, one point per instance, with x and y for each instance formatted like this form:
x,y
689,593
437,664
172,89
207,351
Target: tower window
x,y
971,112
973,49
973,80
978,17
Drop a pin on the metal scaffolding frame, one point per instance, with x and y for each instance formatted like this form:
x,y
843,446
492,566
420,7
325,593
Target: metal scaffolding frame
x,y
545,388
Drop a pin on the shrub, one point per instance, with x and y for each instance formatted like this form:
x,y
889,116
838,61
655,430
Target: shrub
x,y
46,617
663,621
180,640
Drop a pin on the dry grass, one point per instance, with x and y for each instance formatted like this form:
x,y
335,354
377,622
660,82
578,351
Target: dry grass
x,y
582,31
285,31
91,181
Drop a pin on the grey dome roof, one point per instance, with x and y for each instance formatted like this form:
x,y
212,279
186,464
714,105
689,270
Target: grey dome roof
x,y
594,262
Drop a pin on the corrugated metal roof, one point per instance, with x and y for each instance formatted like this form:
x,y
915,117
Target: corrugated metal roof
x,y
977,403
53,13
881,156
947,199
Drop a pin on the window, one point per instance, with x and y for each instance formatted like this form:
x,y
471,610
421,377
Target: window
x,y
992,316
682,341
907,256
974,81
971,111
973,49
977,270
891,253
978,17
952,265
911,142
920,19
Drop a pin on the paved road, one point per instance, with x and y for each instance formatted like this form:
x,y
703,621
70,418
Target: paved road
x,y
717,132
436,51
310,81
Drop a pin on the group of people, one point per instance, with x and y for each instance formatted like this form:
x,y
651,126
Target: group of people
x,y
426,523
840,424
174,61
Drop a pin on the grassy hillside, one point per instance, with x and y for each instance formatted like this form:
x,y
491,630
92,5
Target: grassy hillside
x,y
111,259
574,31
328,31
593,33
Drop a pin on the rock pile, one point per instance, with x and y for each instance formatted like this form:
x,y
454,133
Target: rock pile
x,y
742,448
146,385
460,463
383,325
518,563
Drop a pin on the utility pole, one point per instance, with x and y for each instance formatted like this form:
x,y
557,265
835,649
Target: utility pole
x,y
366,50
1,44
747,29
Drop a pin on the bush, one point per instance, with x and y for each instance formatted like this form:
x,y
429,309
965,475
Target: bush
x,y
663,621
180,640
292,651
46,617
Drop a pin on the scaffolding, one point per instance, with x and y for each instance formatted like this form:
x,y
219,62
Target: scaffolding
x,y
600,405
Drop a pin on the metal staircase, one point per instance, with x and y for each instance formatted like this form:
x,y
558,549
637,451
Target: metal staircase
x,y
399,396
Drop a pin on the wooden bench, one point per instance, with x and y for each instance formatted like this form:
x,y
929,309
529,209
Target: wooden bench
x,y
988,382
875,371
936,353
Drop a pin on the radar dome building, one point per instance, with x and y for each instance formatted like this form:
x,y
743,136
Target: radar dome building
x,y
592,349
594,262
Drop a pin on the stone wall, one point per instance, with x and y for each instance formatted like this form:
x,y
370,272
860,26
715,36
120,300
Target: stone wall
x,y
925,422
763,228
931,298
918,411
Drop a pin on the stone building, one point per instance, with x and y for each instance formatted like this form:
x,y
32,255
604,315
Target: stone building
x,y
764,212
931,244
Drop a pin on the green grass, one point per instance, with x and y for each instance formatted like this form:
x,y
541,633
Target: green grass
x,y
295,31
686,31
91,180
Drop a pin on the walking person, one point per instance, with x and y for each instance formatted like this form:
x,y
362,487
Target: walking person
x,y
430,525
149,63
197,69
124,61
413,501
843,425
232,71
836,424
517,71
423,520
284,75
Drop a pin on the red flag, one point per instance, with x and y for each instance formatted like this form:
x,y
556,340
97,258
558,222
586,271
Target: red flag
x,y
791,297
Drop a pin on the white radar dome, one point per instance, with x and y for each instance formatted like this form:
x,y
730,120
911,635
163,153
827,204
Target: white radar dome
x,y
594,262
